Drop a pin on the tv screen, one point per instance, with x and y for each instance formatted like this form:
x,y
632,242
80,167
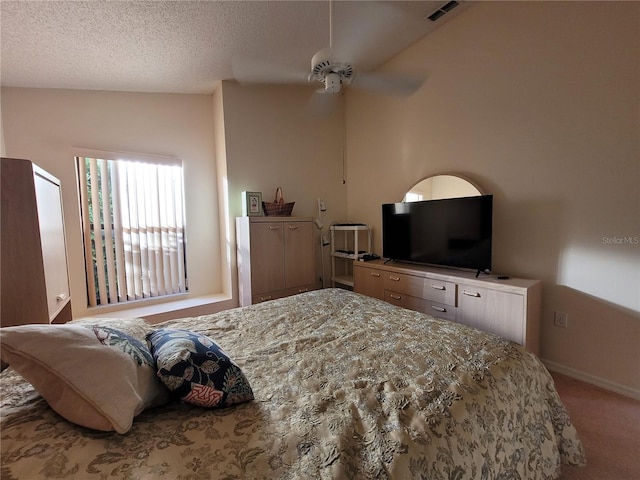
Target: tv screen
x,y
453,232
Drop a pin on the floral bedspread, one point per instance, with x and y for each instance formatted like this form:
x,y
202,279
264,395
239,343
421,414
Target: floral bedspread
x,y
345,387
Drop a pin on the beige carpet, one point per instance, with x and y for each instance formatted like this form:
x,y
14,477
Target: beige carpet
x,y
609,427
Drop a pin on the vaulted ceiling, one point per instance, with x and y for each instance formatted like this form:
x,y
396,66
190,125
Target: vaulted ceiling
x,y
188,46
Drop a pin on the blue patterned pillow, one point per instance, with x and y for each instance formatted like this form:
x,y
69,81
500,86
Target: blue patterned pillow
x,y
195,368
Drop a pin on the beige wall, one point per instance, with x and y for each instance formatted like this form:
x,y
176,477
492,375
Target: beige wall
x,y
539,104
227,229
273,138
45,125
239,138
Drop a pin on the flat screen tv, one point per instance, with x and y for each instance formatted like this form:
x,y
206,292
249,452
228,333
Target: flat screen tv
x,y
453,232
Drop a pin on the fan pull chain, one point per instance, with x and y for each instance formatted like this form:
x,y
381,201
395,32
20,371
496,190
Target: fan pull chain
x,y
330,25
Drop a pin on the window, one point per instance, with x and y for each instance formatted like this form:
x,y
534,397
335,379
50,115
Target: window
x,y
133,226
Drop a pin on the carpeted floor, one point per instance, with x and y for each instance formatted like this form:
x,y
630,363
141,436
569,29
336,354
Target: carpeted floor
x,y
609,427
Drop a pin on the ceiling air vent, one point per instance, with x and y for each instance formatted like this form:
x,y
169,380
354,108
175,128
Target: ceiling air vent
x,y
447,7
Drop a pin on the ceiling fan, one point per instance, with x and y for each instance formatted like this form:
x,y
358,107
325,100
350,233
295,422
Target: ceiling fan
x,y
329,69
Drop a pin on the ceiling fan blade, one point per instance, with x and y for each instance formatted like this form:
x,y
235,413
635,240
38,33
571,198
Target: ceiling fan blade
x,y
401,85
251,70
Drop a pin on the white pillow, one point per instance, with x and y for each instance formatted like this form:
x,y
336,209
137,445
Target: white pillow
x,y
92,375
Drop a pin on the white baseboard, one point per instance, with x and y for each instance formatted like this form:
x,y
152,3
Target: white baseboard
x,y
592,379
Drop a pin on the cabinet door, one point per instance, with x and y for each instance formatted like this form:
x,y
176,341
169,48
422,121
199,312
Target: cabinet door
x,y
493,311
54,254
267,257
368,281
299,268
22,283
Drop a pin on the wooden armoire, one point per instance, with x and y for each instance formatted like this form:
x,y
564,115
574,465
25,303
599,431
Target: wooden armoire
x,y
34,280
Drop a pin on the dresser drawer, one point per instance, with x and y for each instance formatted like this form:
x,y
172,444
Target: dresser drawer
x,y
404,301
440,310
439,291
401,283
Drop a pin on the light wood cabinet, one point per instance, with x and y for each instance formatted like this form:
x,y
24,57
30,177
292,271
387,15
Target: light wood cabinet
x,y
507,307
35,281
495,311
440,298
369,281
275,257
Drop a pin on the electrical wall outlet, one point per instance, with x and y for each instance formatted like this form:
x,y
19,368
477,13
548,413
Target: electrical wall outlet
x,y
560,319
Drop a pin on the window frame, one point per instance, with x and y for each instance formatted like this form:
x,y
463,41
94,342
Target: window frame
x,y
127,302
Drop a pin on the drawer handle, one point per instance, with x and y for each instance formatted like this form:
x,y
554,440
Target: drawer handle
x,y
268,297
395,279
471,294
274,227
373,274
293,227
61,297
395,297
438,287
439,309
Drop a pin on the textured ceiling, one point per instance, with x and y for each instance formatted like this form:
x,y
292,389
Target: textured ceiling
x,y
187,46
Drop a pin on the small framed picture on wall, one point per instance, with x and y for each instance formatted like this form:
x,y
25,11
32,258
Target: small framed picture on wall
x,y
251,204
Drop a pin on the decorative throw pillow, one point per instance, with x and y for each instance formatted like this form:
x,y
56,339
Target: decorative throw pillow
x,y
197,370
134,327
92,375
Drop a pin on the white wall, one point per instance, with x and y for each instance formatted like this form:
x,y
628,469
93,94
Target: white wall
x,y
538,103
44,126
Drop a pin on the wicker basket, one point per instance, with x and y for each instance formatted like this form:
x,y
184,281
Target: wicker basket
x,y
278,208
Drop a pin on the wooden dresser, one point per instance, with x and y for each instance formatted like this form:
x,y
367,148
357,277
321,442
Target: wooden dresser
x,y
35,280
507,307
275,257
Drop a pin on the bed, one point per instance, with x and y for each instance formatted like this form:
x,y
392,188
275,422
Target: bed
x,y
345,386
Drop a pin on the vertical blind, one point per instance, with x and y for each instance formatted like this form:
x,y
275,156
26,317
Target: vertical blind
x,y
133,224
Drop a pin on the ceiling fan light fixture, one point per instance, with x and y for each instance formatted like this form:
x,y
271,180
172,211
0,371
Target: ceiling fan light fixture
x,y
332,83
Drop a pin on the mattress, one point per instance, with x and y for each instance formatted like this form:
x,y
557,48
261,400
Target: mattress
x,y
345,386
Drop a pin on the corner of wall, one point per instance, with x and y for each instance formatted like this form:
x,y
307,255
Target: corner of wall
x,y
227,248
